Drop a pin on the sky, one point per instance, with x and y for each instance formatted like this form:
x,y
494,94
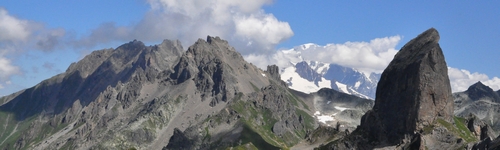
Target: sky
x,y
39,39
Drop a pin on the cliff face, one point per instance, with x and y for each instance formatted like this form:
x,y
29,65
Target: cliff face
x,y
414,91
413,106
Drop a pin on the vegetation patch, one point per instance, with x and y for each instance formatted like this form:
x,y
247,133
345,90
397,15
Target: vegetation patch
x,y
247,146
292,98
207,134
428,129
255,88
263,129
308,119
249,135
9,141
459,129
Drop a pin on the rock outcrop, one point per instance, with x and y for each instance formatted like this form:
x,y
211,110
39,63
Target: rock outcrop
x,y
271,108
413,92
413,106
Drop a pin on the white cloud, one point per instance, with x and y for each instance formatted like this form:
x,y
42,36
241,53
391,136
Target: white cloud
x,y
461,79
243,23
7,69
373,56
11,28
262,28
17,37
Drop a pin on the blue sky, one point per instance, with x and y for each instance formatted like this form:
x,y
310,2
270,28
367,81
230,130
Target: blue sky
x,y
39,39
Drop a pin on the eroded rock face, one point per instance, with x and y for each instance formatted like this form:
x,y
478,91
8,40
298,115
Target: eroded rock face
x,y
413,92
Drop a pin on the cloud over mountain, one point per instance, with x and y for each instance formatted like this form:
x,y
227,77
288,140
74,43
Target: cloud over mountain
x,y
243,23
461,79
13,30
18,36
368,57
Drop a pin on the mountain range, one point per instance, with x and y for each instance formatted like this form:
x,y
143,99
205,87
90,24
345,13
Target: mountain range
x,y
309,76
208,97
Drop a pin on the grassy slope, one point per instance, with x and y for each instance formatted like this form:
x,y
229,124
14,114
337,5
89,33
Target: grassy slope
x,y
261,135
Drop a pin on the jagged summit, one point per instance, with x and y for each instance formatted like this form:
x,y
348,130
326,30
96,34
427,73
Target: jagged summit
x,y
479,90
139,94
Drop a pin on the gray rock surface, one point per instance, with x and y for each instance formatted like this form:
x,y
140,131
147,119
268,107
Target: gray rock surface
x,y
279,112
138,96
329,101
413,92
414,105
481,102
480,91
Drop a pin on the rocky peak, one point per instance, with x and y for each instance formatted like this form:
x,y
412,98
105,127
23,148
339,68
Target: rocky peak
x,y
304,70
90,62
217,69
413,92
479,90
274,71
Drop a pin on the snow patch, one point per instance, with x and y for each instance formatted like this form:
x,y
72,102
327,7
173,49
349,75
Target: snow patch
x,y
308,45
367,76
300,84
342,87
359,94
264,75
320,67
341,108
324,118
324,83
357,84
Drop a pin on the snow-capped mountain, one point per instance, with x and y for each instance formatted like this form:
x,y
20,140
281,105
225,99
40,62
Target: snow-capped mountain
x,y
309,76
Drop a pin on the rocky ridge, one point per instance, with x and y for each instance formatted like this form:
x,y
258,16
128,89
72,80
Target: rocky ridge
x,y
309,76
138,96
480,104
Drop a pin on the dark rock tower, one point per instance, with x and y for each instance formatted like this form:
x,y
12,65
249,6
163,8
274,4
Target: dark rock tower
x,y
413,92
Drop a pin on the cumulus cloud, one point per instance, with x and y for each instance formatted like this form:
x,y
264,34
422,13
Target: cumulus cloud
x,y
263,29
373,56
13,32
461,79
12,28
19,36
243,23
7,69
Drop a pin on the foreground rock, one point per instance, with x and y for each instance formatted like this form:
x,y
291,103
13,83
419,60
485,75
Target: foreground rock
x,y
414,106
413,92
